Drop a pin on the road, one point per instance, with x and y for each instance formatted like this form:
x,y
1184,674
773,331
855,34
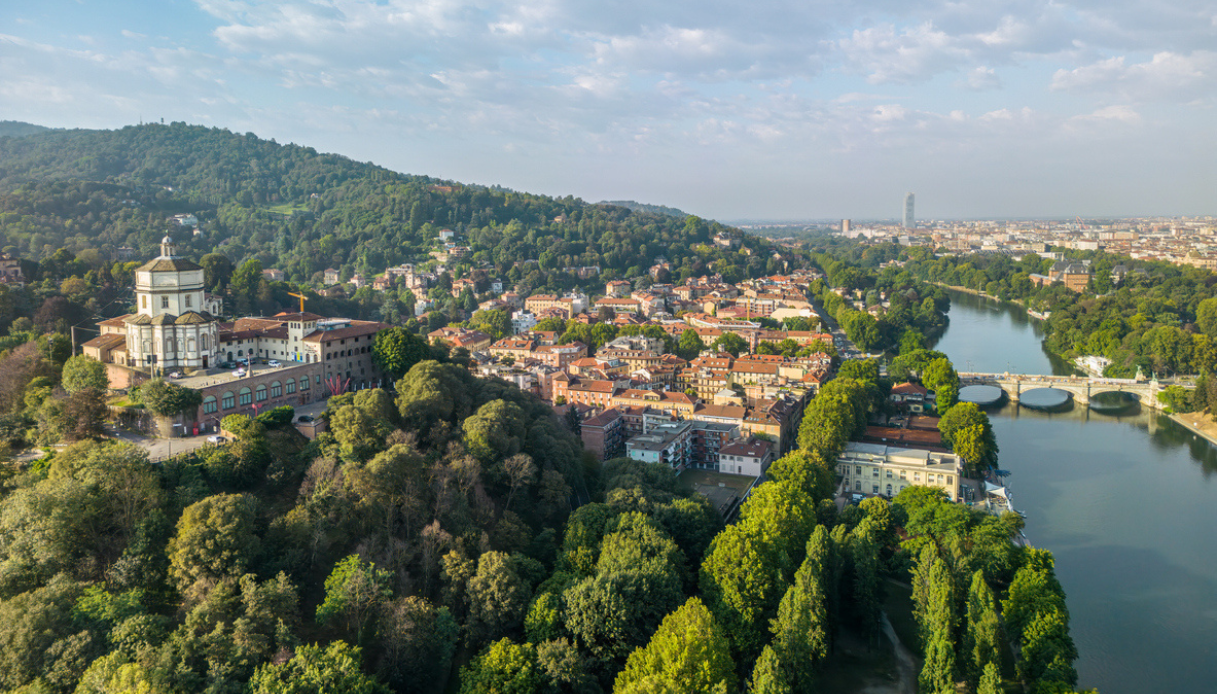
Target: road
x,y
159,449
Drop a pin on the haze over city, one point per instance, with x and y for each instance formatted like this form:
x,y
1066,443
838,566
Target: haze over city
x,y
728,110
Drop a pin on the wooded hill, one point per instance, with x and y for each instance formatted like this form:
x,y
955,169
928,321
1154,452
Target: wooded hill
x,y
301,211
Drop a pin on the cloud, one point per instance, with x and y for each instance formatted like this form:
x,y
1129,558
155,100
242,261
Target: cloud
x,y
1166,76
980,79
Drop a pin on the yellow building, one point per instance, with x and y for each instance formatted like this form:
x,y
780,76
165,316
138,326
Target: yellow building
x,y
871,468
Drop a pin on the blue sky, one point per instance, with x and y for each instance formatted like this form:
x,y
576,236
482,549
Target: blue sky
x,y
764,110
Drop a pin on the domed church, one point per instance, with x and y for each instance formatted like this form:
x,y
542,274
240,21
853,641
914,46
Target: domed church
x,y
174,326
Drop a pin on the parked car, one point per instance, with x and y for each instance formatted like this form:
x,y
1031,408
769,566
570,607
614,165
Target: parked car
x,y
239,373
304,418
216,439
274,363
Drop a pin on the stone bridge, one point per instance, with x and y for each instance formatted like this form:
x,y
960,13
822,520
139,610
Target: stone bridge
x,y
1080,388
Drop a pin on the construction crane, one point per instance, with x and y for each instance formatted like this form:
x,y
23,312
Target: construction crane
x,y
298,296
1080,222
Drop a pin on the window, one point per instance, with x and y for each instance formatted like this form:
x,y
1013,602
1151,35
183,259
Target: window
x,y
291,387
228,401
246,396
144,301
858,469
189,301
190,345
261,394
889,490
164,302
276,389
304,382
950,479
858,485
209,404
874,489
916,476
889,474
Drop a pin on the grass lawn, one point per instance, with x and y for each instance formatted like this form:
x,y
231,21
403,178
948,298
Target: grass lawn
x,y
288,209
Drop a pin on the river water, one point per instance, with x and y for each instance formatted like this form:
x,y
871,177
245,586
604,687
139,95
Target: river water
x,y
1127,503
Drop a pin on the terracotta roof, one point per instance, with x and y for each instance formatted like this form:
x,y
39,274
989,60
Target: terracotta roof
x,y
593,386
751,448
721,411
109,341
909,389
603,419
297,316
355,329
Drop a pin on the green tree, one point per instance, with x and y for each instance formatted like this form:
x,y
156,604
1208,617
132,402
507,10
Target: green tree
x,y
982,639
168,399
396,350
84,372
730,343
498,597
505,667
612,614
332,669
688,649
354,593
495,323
990,680
768,675
216,538
690,345
801,629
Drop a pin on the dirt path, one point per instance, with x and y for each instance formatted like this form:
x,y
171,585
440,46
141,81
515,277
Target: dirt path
x,y
906,667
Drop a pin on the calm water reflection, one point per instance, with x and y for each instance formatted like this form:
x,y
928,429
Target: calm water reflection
x,y
1124,498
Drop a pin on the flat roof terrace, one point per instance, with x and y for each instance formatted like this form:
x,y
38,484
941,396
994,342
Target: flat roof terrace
x,y
724,491
214,377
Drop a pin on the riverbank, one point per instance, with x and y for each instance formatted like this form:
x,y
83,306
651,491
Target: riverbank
x,y
1200,423
990,297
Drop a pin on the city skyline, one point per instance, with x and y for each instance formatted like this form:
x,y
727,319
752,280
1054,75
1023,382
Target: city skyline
x,y
761,112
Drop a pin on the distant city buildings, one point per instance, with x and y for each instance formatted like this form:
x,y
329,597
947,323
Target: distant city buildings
x,y
909,220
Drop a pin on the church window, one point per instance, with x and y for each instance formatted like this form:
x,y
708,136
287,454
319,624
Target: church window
x,y
206,342
246,397
164,302
145,300
228,401
190,345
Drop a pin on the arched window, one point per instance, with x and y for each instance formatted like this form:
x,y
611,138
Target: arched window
x,y
228,400
206,341
261,394
209,404
190,345
147,346
276,389
291,386
304,383
246,396
168,346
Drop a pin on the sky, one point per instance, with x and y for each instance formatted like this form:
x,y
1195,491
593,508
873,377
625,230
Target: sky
x,y
771,109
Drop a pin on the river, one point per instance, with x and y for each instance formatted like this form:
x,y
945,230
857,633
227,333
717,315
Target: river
x,y
1127,503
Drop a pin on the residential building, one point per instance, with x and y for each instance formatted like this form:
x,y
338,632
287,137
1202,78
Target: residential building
x,y
749,457
877,469
604,434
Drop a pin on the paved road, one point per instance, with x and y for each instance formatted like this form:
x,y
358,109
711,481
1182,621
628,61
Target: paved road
x,y
159,448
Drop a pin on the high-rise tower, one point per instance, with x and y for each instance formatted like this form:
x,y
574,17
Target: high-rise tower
x,y
909,221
